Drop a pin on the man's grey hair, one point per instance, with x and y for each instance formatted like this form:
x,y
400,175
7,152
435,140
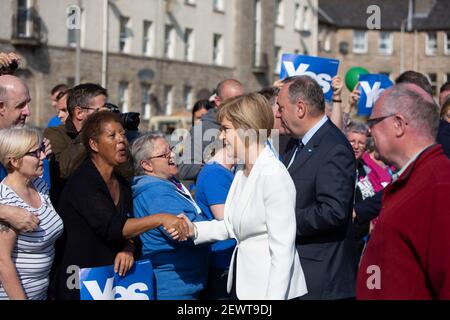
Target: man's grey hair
x,y
307,89
142,149
358,127
416,105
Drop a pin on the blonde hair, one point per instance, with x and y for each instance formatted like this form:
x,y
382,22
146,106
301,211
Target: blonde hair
x,y
249,112
15,142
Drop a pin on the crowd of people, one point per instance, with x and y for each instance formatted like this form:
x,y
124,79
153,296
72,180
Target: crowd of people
x,y
293,197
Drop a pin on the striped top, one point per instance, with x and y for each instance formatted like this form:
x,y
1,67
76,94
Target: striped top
x,y
34,251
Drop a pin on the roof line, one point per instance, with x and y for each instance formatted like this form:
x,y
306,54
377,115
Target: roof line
x,y
325,15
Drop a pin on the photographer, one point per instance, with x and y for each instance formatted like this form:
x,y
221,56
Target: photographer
x,y
130,122
82,101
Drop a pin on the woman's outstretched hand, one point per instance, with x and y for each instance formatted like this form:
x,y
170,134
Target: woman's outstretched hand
x,y
190,228
177,227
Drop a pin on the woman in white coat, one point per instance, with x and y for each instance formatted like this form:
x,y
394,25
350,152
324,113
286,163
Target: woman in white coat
x,y
259,210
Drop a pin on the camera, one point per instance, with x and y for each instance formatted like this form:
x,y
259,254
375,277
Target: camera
x,y
130,120
9,69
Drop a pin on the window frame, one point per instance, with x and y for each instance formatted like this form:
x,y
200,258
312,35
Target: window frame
x,y
279,13
278,55
147,38
124,35
429,52
447,43
169,41
124,96
365,49
168,100
218,55
146,103
189,44
390,48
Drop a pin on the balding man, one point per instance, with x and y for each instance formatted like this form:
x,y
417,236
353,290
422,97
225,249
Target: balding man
x,y
14,110
408,254
204,133
14,101
322,165
369,208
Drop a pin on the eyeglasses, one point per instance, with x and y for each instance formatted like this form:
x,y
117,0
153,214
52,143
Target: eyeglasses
x,y
358,144
164,155
106,106
374,121
94,109
37,153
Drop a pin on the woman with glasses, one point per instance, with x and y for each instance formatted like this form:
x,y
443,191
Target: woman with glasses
x,y
96,207
357,135
181,270
26,258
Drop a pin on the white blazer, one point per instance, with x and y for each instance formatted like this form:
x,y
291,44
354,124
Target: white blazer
x,y
263,224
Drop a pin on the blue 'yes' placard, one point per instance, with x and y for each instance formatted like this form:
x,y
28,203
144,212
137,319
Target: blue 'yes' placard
x,y
321,69
103,284
371,86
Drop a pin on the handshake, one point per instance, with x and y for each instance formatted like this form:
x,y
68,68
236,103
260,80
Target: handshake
x,y
178,227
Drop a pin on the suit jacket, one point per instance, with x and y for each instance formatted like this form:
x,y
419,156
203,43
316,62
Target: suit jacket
x,y
260,215
324,175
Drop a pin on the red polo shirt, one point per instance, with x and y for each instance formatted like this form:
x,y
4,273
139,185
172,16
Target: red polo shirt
x,y
408,254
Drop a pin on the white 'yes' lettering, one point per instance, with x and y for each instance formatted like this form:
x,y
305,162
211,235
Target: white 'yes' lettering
x,y
322,78
133,292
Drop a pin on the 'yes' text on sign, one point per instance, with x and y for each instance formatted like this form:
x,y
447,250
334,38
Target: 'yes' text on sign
x,y
103,284
320,69
371,87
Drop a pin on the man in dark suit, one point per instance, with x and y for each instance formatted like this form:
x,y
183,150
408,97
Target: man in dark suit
x,y
322,166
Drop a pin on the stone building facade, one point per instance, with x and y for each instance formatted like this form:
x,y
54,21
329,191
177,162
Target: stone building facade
x,y
163,55
423,45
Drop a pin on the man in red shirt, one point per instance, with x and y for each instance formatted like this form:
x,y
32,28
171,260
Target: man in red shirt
x,y
408,254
